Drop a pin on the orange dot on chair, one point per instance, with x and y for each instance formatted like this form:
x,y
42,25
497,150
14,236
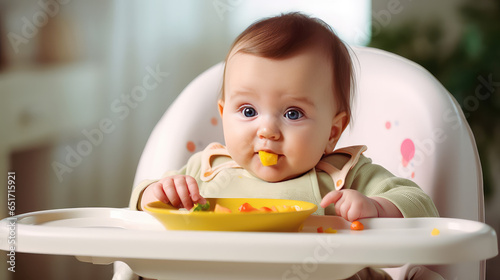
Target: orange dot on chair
x,y
191,146
214,121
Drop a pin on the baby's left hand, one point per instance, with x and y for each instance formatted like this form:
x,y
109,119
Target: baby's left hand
x,y
351,204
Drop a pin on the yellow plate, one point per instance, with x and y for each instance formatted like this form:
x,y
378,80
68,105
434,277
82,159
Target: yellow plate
x,y
174,219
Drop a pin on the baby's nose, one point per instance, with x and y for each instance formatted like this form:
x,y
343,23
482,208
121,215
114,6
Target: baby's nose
x,y
269,131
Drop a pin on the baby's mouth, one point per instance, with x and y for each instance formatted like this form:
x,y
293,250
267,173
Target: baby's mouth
x,y
268,158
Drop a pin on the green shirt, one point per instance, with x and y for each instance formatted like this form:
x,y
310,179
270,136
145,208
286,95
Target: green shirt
x,y
219,176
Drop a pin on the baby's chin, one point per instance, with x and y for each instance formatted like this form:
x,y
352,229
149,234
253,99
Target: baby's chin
x,y
271,178
273,174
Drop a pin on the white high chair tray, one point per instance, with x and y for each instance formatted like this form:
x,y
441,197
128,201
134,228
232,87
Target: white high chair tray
x,y
105,235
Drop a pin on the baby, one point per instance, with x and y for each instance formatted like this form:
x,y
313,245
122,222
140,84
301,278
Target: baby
x,y
286,90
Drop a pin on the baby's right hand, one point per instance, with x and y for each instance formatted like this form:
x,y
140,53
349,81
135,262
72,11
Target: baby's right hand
x,y
179,190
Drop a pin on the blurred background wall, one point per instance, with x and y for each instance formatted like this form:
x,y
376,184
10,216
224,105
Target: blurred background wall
x,y
75,112
458,41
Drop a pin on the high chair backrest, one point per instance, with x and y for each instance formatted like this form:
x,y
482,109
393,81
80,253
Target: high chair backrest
x,y
410,123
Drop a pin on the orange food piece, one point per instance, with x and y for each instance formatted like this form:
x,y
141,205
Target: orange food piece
x,y
320,230
435,232
221,209
357,225
246,207
266,209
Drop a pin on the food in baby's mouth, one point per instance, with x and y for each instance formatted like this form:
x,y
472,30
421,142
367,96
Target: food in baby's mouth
x,y
268,159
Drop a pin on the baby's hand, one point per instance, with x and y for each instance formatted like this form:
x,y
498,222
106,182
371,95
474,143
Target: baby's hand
x,y
179,190
351,204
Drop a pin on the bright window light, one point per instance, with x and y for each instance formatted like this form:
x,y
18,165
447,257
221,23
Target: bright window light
x,y
351,20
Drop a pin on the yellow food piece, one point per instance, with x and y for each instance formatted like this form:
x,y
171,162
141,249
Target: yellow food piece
x,y
287,208
435,232
330,230
268,159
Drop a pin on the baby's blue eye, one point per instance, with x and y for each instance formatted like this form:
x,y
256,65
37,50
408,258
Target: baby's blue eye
x,y
249,112
293,114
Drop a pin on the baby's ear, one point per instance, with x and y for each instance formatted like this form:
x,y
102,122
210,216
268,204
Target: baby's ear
x,y
339,123
220,103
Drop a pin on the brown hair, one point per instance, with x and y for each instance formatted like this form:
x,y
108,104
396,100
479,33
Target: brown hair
x,y
282,36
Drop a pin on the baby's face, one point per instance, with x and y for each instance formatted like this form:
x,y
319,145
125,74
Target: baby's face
x,y
285,107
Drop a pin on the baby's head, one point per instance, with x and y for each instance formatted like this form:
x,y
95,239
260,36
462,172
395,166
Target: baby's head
x,y
287,89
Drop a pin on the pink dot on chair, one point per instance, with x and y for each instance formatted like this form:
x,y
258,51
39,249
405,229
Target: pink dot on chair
x,y
388,125
407,151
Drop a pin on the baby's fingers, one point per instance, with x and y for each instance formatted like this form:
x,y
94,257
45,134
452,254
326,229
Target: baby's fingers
x,y
194,191
183,185
187,189
170,191
158,192
331,197
354,212
342,208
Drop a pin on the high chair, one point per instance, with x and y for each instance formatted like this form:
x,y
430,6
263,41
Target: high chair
x,y
409,121
411,125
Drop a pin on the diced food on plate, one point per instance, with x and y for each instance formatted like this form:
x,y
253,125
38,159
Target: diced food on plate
x,y
221,209
201,207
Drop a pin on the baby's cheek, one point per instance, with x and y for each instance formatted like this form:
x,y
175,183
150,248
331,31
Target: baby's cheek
x,y
305,159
